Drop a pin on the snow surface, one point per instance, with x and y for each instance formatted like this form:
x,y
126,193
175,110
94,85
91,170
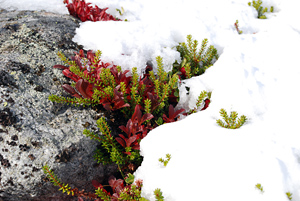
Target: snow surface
x,y
257,75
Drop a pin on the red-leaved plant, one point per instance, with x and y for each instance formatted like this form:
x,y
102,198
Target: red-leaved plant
x,y
121,190
82,10
173,115
134,130
92,80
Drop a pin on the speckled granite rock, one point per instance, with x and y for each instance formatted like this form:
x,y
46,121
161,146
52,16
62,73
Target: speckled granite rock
x,y
33,130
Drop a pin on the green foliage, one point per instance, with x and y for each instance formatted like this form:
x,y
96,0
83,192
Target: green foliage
x,y
129,179
164,84
65,188
71,101
110,150
194,62
259,187
230,122
289,195
158,195
204,94
101,193
133,192
121,11
56,182
165,162
260,9
236,24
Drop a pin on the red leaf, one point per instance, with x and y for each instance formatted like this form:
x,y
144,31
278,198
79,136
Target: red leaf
x,y
80,199
83,87
137,114
60,66
96,184
70,75
107,105
121,141
206,104
70,90
128,128
116,185
124,129
182,70
146,117
172,114
130,140
136,147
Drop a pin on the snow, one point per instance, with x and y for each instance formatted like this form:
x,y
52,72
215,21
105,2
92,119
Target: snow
x,y
257,75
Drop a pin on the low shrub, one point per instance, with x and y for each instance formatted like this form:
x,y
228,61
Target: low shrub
x,y
83,11
146,101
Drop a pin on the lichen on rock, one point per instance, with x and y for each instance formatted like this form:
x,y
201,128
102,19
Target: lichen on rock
x,y
33,130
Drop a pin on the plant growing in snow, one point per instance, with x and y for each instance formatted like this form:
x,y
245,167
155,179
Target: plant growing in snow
x,y
194,62
236,25
203,99
289,195
82,10
260,9
158,195
144,100
259,187
165,162
230,122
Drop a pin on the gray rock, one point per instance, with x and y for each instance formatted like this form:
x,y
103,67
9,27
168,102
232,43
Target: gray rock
x,y
33,130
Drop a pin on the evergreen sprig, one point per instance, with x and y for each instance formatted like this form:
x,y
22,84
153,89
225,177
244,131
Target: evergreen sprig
x,y
101,193
230,122
236,25
65,188
259,187
289,195
110,150
164,85
56,181
158,195
201,99
165,161
71,101
260,10
195,62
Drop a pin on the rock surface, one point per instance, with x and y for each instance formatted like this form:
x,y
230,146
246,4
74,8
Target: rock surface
x,y
33,130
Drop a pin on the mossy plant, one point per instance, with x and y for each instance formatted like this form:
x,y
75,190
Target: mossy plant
x,y
165,161
260,9
231,121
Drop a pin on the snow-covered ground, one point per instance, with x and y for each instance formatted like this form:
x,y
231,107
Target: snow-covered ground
x,y
257,75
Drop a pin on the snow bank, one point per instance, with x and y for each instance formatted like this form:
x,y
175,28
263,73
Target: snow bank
x,y
56,6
